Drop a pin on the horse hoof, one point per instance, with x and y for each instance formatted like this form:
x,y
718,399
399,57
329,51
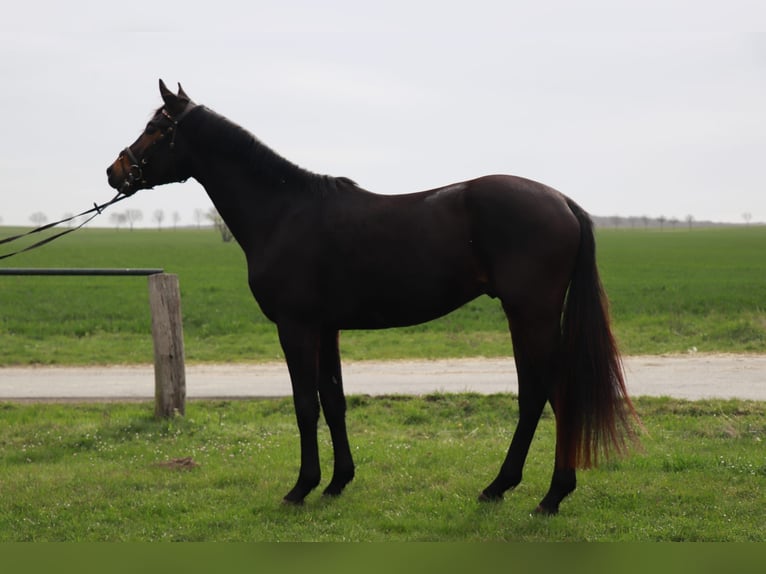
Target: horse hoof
x,y
542,510
332,492
484,497
289,502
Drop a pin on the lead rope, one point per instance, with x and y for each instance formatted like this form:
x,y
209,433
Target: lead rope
x,y
95,210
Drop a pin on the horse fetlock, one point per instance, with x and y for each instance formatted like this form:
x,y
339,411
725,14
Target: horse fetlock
x,y
504,482
559,490
495,491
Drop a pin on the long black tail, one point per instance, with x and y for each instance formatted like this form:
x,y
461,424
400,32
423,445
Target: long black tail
x,y
594,414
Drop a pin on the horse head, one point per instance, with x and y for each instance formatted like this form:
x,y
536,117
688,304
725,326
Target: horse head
x,y
156,156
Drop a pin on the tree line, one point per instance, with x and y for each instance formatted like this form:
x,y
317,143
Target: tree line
x,y
662,222
130,217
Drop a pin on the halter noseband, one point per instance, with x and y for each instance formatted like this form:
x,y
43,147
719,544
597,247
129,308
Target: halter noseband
x,y
136,171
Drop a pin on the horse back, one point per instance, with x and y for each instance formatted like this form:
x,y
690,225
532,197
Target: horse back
x,y
362,260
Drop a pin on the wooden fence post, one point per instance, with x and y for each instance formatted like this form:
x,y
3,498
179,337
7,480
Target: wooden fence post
x,y
167,332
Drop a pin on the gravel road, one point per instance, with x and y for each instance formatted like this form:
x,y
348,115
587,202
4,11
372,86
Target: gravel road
x,y
694,376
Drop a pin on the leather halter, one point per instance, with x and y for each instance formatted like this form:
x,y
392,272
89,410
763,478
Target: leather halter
x,y
137,165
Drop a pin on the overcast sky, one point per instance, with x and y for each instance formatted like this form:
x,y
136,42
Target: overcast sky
x,y
631,108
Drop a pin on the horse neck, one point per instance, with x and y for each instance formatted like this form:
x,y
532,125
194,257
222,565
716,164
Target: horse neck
x,y
251,186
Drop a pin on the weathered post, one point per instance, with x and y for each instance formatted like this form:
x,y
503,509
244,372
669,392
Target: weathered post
x,y
167,332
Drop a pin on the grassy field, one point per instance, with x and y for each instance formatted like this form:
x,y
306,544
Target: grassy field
x,y
109,472
670,292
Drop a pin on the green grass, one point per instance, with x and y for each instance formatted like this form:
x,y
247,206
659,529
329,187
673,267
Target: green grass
x,y
670,291
98,472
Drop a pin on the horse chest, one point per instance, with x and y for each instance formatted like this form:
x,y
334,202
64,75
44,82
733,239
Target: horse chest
x,y
284,287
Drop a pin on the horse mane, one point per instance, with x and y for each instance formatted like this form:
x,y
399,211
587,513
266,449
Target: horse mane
x,y
225,137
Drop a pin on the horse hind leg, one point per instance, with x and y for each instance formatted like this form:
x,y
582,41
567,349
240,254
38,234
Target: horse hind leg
x,y
532,399
563,483
535,344
564,479
549,366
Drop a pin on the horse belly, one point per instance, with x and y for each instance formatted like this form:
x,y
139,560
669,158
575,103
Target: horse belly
x,y
406,297
382,315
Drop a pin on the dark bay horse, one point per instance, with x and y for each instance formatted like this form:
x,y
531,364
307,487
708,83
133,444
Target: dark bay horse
x,y
325,255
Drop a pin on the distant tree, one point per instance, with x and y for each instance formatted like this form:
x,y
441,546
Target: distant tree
x,y
159,217
199,215
674,222
662,221
747,216
38,218
132,216
645,219
220,225
118,219
690,221
176,219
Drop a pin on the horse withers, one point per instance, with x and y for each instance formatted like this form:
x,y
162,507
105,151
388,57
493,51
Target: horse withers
x,y
324,254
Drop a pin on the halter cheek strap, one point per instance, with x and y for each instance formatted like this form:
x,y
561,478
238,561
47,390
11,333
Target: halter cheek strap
x,y
136,172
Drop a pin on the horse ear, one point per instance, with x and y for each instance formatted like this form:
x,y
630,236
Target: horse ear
x,y
182,94
167,96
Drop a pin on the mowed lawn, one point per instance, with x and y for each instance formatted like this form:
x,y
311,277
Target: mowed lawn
x,y
670,292
110,472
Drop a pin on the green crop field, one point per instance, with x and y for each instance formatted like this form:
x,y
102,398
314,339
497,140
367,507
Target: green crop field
x,y
670,292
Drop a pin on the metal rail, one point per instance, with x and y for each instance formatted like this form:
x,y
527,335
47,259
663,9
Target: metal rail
x,y
63,271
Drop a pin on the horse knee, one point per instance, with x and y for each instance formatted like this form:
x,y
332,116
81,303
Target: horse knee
x,y
306,414
334,412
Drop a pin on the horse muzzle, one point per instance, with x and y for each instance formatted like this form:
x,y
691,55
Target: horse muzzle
x,y
126,177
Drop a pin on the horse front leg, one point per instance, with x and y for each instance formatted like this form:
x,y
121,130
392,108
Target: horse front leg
x,y
334,407
300,344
